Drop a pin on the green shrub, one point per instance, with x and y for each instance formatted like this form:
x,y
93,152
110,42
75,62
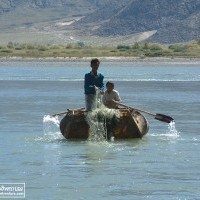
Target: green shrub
x,y
69,46
155,47
146,45
42,48
18,48
80,44
180,49
30,46
173,46
123,47
6,51
55,47
198,41
154,53
10,45
136,46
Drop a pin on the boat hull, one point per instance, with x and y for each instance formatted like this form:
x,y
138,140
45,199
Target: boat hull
x,y
129,124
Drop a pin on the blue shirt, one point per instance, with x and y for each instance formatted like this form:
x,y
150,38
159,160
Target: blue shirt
x,y
91,80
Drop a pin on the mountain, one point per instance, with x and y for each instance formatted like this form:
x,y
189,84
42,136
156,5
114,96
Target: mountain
x,y
15,13
11,5
171,20
99,21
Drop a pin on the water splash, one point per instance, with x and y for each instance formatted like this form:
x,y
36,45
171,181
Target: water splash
x,y
172,130
50,129
50,138
170,134
50,124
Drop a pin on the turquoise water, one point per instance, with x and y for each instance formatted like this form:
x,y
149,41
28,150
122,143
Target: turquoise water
x,y
162,165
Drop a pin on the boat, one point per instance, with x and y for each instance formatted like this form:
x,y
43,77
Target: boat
x,y
129,123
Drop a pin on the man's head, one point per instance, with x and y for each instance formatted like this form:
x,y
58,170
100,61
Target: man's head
x,y
95,61
110,86
95,64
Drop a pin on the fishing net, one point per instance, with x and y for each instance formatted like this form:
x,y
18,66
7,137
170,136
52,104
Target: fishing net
x,y
101,121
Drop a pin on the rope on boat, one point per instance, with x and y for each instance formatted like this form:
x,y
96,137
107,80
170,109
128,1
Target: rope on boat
x,y
72,112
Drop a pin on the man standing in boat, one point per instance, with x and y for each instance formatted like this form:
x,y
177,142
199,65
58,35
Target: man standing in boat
x,y
93,85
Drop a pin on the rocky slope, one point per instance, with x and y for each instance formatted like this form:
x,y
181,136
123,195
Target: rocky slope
x,y
164,21
172,20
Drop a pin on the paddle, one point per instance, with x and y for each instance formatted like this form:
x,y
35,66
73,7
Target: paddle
x,y
160,117
68,111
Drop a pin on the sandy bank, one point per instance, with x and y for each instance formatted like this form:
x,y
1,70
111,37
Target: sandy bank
x,y
115,60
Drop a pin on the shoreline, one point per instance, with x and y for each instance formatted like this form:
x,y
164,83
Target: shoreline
x,y
121,58
128,60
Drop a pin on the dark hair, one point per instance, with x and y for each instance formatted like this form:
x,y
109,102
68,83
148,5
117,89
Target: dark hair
x,y
110,83
95,61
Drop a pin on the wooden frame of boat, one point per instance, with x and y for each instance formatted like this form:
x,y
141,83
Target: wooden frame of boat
x,y
130,124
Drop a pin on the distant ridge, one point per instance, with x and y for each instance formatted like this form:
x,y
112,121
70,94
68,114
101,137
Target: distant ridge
x,y
173,20
163,21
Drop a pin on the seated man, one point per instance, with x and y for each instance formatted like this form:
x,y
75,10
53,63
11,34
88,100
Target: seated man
x,y
111,96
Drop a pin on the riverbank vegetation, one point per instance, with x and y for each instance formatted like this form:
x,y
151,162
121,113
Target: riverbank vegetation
x,y
142,50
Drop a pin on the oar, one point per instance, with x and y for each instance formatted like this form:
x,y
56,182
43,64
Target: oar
x,y
58,114
63,113
160,117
